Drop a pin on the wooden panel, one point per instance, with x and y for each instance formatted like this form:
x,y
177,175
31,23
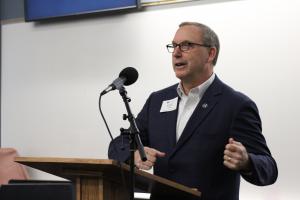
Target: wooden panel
x,y
114,191
78,188
91,188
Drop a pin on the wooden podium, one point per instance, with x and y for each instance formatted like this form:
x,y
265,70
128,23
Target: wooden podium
x,y
102,179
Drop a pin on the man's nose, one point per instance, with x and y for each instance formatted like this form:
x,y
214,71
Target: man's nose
x,y
177,52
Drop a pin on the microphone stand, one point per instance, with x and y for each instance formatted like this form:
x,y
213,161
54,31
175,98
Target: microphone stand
x,y
134,140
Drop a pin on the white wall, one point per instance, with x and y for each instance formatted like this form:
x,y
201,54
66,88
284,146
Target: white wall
x,y
52,74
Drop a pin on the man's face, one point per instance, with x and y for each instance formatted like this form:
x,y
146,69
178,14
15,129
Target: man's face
x,y
191,65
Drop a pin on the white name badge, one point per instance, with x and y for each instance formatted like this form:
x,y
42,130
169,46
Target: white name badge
x,y
169,105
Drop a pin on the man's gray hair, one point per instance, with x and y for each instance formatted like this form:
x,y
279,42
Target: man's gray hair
x,y
210,38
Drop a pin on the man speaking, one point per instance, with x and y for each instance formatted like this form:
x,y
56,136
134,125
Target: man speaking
x,y
200,132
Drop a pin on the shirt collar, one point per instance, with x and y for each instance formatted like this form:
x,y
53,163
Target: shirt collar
x,y
196,91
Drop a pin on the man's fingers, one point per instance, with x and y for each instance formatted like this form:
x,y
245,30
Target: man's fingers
x,y
154,152
237,155
229,164
151,155
142,166
151,158
148,163
232,141
234,147
161,154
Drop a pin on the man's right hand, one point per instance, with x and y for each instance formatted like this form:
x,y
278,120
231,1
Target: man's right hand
x,y
151,155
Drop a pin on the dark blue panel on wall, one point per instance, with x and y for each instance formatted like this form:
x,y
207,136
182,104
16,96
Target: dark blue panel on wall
x,y
44,9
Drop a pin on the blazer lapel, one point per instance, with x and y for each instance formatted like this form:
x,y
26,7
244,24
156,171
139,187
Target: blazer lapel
x,y
204,107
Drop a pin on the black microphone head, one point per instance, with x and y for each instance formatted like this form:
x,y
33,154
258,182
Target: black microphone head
x,y
129,74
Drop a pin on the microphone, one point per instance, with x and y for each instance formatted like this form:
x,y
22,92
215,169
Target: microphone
x,y
126,77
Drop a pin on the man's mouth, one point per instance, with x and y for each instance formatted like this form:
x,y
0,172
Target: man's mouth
x,y
181,64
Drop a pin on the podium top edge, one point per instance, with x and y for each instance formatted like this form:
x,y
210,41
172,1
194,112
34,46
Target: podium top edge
x,y
64,160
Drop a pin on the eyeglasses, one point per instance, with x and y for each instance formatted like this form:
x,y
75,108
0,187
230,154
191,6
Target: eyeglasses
x,y
184,46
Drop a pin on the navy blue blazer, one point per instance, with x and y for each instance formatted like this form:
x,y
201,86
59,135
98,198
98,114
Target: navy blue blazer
x,y
196,160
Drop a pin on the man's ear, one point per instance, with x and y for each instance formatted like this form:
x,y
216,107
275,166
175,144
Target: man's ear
x,y
212,53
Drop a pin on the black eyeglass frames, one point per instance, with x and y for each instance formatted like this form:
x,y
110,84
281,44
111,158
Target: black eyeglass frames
x,y
184,46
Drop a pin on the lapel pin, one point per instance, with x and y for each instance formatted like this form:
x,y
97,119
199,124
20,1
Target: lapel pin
x,y
205,105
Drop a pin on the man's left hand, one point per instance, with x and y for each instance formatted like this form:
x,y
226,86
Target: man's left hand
x,y
236,156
